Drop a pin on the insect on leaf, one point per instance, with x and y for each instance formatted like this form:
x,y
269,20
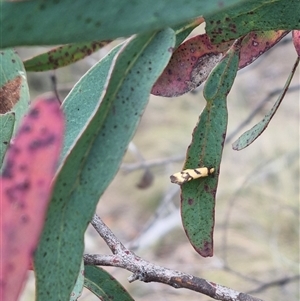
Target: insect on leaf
x,y
198,196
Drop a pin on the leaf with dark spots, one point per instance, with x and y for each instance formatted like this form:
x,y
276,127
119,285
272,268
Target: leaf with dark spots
x,y
254,15
193,61
25,190
206,150
257,43
63,56
94,150
189,66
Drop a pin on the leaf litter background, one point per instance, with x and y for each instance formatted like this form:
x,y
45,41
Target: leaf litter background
x,y
257,212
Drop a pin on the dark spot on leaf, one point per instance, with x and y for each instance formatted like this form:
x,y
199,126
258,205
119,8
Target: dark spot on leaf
x,y
190,201
25,219
26,128
42,142
34,113
207,250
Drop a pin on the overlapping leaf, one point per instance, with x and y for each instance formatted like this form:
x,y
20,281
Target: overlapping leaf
x,y
252,16
25,188
14,94
62,56
54,23
192,62
198,196
104,285
93,158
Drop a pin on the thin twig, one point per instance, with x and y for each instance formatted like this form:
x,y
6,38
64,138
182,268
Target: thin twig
x,y
129,167
148,272
278,282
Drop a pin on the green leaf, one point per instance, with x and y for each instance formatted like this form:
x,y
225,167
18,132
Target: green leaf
x,y
198,196
253,16
62,56
53,23
77,290
248,137
14,93
183,30
104,285
7,122
77,110
94,158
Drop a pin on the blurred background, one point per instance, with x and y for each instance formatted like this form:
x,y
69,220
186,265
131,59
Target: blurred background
x,y
256,239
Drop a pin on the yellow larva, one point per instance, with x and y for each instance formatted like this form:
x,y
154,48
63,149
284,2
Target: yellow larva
x,y
191,174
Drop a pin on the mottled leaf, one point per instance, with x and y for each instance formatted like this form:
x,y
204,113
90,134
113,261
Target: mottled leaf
x,y
257,43
91,162
30,164
192,62
14,94
7,122
198,196
250,16
62,56
248,137
104,285
50,22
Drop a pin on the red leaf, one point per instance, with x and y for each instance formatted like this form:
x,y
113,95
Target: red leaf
x,y
193,60
189,66
25,189
255,44
296,40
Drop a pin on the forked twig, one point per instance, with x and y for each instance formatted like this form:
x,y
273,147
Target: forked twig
x,y
148,272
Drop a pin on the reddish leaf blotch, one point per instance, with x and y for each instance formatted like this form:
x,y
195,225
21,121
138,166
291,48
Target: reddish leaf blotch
x,y
296,40
25,189
193,60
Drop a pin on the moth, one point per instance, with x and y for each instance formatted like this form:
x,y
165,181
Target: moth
x,y
191,174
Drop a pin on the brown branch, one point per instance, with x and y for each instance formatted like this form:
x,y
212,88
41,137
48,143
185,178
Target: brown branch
x,y
148,272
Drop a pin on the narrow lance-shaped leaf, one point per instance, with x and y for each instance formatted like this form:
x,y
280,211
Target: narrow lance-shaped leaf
x,y
251,135
104,285
25,188
192,62
45,23
63,56
92,161
198,196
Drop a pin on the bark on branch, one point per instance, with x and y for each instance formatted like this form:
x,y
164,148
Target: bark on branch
x,y
148,272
